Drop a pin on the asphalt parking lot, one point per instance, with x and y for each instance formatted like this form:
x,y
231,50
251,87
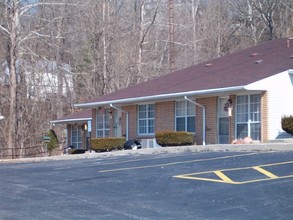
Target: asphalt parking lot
x,y
188,185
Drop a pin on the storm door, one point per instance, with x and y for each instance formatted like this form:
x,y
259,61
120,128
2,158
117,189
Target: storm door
x,y
223,121
117,123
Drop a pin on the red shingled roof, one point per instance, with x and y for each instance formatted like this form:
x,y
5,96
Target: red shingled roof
x,y
236,69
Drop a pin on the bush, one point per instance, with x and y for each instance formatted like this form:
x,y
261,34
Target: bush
x,y
174,138
53,144
76,151
107,144
287,124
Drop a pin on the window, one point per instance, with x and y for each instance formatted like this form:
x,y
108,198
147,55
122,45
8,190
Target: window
x,y
103,123
76,136
185,116
248,119
146,119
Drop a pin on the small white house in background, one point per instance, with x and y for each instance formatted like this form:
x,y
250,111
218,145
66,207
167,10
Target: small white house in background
x,y
42,77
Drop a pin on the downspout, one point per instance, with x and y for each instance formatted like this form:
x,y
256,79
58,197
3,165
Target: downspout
x,y
203,119
119,109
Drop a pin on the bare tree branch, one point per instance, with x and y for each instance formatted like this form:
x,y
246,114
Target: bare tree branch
x,y
4,31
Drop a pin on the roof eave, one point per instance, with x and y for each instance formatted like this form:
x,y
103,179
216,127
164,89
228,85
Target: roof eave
x,y
160,97
67,121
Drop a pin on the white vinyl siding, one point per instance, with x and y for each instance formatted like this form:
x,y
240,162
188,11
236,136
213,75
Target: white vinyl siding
x,y
279,91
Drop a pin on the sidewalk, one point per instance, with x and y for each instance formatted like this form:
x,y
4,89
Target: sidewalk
x,y
163,150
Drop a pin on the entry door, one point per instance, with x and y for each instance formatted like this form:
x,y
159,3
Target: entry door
x,y
223,121
117,123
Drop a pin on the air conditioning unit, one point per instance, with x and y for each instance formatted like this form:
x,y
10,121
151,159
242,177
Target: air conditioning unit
x,y
149,143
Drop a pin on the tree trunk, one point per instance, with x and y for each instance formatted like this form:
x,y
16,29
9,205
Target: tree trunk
x,y
13,57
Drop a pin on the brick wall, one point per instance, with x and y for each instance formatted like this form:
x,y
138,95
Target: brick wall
x,y
264,117
210,104
165,116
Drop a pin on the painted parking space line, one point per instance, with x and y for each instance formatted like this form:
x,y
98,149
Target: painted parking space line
x,y
265,172
222,176
178,162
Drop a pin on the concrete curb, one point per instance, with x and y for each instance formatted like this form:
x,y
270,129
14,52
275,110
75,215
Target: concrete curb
x,y
278,147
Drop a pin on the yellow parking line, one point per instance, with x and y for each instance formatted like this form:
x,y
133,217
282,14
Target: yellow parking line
x,y
176,163
225,179
265,172
205,179
223,176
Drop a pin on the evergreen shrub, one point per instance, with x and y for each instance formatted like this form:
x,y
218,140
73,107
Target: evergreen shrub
x,y
174,138
53,144
287,124
107,144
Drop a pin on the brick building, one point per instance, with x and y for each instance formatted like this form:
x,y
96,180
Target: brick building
x,y
243,94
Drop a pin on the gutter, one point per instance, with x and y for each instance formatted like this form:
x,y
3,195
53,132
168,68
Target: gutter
x,y
203,119
158,97
70,120
127,118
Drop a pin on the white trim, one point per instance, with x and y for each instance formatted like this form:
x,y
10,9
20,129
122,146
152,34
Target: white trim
x,y
161,96
105,115
147,120
249,122
70,120
185,116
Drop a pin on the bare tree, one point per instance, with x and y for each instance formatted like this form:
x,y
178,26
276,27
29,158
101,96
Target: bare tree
x,y
17,13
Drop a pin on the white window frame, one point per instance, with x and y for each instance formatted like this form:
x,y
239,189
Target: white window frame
x,y
102,123
186,115
253,117
146,119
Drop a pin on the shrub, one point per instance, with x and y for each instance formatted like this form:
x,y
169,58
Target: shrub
x,y
287,124
76,151
53,144
107,144
174,138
